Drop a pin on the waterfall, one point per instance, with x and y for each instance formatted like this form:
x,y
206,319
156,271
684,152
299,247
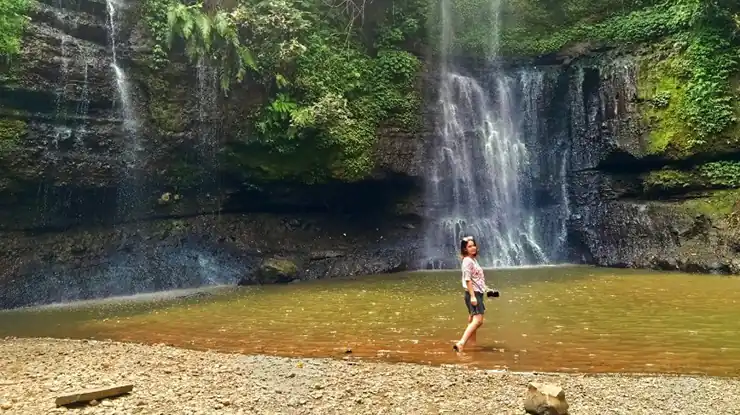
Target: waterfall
x,y
207,92
486,160
548,138
129,197
83,103
130,121
207,147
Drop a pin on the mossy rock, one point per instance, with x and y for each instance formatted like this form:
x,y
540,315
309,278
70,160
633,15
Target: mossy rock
x,y
707,176
718,204
11,132
670,181
167,101
663,84
168,116
307,163
662,99
277,270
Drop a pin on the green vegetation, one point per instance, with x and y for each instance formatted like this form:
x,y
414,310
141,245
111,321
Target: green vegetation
x,y
155,14
210,36
688,99
327,87
714,175
715,204
663,101
327,78
11,132
167,102
12,22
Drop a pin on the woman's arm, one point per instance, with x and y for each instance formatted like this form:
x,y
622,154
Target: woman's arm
x,y
471,291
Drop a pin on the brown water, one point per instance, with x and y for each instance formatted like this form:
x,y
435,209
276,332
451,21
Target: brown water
x,y
547,319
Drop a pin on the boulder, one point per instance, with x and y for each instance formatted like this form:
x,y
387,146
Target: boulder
x,y
545,399
277,270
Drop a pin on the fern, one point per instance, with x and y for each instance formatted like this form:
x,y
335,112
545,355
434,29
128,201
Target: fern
x,y
210,36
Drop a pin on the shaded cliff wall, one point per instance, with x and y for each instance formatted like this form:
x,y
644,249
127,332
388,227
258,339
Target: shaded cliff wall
x,y
64,135
78,222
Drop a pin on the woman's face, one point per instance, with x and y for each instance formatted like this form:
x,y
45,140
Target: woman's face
x,y
472,249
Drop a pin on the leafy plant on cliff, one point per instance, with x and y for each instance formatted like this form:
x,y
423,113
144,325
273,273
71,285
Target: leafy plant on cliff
x,y
13,19
336,96
210,36
710,60
155,16
712,175
328,86
403,26
721,173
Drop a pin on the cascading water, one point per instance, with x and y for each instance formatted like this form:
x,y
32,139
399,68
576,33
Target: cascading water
x,y
206,151
83,103
207,92
129,198
208,129
480,179
549,162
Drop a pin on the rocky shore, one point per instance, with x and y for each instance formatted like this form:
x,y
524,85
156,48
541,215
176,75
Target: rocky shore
x,y
167,380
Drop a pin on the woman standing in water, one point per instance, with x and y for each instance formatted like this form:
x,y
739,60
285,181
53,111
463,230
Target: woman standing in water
x,y
474,283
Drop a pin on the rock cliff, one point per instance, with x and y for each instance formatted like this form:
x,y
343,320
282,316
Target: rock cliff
x,y
84,214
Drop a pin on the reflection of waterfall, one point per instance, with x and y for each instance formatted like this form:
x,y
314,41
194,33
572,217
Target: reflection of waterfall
x,y
488,175
129,198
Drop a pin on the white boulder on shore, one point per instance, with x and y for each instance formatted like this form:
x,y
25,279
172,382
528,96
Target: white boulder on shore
x,y
168,380
545,399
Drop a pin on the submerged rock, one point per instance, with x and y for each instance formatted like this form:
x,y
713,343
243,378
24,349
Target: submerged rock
x,y
277,270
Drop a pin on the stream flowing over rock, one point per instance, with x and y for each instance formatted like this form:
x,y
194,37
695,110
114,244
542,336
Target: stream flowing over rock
x,y
89,209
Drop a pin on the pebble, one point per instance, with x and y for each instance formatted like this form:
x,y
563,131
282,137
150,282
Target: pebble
x,y
210,382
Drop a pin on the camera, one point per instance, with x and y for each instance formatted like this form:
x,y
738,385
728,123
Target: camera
x,y
492,293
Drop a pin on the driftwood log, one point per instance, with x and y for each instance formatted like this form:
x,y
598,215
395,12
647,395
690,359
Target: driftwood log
x,y
93,394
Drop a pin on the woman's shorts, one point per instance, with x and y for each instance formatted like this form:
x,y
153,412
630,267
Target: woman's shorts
x,y
479,308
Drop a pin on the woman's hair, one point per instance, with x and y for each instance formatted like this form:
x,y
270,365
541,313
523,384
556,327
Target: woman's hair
x,y
464,245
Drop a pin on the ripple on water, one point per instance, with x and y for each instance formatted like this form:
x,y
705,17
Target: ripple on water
x,y
557,318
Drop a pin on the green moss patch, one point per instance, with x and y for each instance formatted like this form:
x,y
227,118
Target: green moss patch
x,y
714,175
716,204
11,132
662,97
167,101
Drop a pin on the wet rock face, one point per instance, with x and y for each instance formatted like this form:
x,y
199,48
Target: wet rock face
x,y
613,221
69,161
202,250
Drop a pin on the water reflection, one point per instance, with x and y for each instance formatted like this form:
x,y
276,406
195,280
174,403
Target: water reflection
x,y
565,319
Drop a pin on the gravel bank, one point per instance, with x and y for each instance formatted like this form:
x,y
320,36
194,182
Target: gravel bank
x,y
168,381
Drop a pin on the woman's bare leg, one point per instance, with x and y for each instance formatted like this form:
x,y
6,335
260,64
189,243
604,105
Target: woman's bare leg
x,y
473,337
475,322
